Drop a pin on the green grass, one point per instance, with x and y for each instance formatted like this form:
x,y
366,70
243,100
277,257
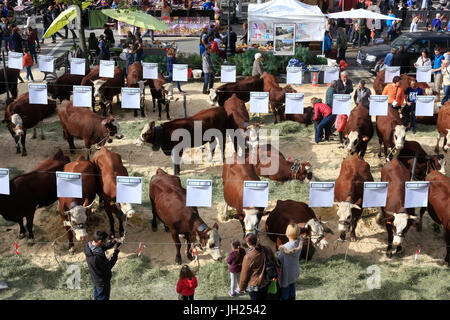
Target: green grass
x,y
136,278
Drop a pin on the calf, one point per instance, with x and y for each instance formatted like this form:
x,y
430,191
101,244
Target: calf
x,y
32,190
233,176
438,204
289,211
443,128
74,211
107,88
168,200
87,125
241,88
12,75
160,137
135,79
425,162
62,87
348,193
109,165
305,118
391,132
358,131
286,169
397,219
21,115
160,89
277,97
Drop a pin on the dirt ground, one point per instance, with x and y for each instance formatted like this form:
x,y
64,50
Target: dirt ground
x,y
325,159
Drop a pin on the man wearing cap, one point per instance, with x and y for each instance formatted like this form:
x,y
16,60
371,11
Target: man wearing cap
x,y
258,68
362,94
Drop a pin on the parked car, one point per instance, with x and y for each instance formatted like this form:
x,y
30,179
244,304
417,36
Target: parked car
x,y
414,42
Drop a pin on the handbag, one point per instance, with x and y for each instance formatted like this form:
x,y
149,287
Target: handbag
x,y
272,287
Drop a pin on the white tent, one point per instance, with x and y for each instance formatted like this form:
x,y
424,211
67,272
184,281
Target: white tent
x,y
309,20
360,14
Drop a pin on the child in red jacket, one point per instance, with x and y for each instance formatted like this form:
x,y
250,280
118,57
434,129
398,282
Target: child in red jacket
x,y
28,63
186,284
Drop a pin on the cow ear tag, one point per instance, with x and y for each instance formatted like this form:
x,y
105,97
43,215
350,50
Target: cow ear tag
x,y
112,203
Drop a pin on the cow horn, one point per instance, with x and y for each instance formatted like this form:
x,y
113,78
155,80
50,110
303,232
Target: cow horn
x,y
413,217
355,206
90,206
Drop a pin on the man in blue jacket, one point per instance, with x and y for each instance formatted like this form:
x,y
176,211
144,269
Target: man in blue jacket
x,y
99,266
410,108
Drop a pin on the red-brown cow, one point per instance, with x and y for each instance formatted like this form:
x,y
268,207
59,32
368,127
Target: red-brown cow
x,y
348,193
271,163
398,220
135,79
277,97
87,125
74,211
168,200
160,137
107,88
438,204
233,176
443,127
21,115
289,211
238,117
241,88
62,87
391,132
109,165
160,90
32,190
13,75
358,131
305,118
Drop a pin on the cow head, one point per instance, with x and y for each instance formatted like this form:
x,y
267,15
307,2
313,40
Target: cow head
x,y
399,137
400,224
99,88
15,124
353,141
141,84
77,215
251,220
113,127
344,213
302,171
149,134
168,90
447,146
213,97
317,233
127,209
210,241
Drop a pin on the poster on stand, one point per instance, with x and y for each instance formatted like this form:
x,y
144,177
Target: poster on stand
x,y
284,42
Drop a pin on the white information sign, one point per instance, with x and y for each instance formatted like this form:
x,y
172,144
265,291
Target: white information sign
x,y
330,74
129,189
342,103
46,63
256,194
378,105
106,69
390,73
4,181
149,70
180,72
416,194
227,74
131,98
375,194
82,96
294,75
259,102
198,193
68,185
294,103
424,106
321,194
37,93
78,66
15,60
423,74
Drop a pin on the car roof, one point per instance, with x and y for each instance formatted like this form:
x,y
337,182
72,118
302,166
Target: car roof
x,y
427,35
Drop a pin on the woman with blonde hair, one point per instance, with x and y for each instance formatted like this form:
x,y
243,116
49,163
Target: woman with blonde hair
x,y
414,24
288,257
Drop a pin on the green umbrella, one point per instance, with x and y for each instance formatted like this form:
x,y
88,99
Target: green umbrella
x,y
136,18
63,19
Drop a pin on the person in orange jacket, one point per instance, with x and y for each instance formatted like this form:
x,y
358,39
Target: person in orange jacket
x,y
395,93
186,284
28,63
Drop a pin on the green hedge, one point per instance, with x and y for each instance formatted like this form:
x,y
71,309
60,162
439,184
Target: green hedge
x,y
273,64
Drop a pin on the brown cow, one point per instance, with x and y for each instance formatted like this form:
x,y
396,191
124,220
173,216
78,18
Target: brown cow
x,y
107,88
269,82
74,211
241,88
348,193
443,127
283,169
87,125
289,211
438,204
305,118
13,75
358,131
233,176
161,136
168,200
238,117
135,79
160,90
398,220
32,190
391,132
277,97
62,87
21,115
425,162
109,165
